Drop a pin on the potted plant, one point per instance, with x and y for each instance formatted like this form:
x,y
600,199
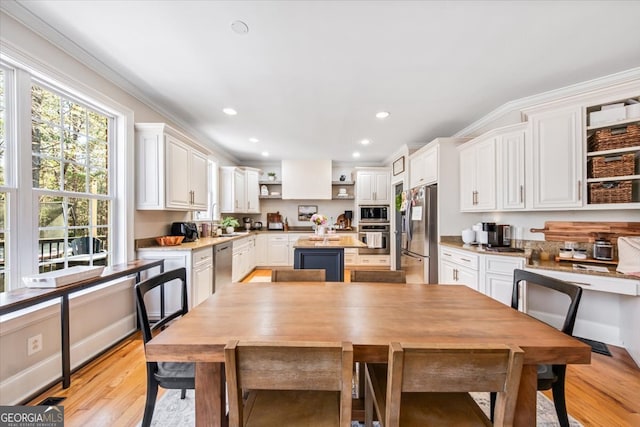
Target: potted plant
x,y
271,176
230,223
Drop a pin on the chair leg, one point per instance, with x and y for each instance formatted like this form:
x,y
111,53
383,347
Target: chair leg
x,y
183,394
152,393
368,399
492,404
559,399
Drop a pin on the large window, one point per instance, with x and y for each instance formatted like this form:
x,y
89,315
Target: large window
x,y
63,174
70,160
4,249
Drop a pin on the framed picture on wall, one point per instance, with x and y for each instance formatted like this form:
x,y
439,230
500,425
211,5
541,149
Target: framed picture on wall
x,y
305,212
398,166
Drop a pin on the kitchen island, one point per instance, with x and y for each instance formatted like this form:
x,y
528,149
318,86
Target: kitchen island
x,y
324,252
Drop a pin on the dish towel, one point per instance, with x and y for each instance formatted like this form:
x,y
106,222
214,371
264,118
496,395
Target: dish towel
x,y
374,239
629,255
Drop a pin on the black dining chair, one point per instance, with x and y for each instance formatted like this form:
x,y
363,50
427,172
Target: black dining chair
x,y
549,376
169,375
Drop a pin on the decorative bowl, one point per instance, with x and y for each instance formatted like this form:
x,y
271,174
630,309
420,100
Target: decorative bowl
x,y
169,240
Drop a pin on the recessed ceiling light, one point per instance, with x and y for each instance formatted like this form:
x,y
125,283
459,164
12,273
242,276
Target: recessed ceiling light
x,y
365,142
239,27
254,140
229,111
356,154
382,114
265,153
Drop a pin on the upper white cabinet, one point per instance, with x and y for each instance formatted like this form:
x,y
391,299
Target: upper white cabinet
x,y
511,168
478,175
170,173
253,190
423,167
557,157
373,186
239,190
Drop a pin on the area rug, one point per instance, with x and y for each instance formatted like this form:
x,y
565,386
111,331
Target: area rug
x,y
171,411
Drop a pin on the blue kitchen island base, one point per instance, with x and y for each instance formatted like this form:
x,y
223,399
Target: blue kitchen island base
x,y
329,259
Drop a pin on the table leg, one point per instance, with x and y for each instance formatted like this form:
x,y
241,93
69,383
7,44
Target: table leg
x,y
527,397
210,395
66,356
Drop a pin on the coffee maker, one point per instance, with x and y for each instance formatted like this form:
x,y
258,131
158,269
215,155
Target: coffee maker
x,y
248,223
498,235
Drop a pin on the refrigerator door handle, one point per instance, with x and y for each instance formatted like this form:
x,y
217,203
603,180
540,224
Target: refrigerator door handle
x,y
412,255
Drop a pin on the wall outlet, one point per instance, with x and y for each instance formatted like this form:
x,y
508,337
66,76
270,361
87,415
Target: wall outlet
x,y
34,344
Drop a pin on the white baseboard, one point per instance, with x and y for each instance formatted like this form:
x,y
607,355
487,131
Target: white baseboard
x,y
19,387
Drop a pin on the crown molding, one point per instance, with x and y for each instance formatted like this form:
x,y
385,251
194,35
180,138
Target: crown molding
x,y
25,17
564,93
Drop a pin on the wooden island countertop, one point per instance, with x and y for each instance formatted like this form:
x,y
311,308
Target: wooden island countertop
x,y
331,241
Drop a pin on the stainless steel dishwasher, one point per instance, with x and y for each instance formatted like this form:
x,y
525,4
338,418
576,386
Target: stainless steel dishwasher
x,y
222,265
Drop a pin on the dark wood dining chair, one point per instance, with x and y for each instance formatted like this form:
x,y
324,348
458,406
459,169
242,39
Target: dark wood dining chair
x,y
169,375
550,376
387,276
299,275
289,383
428,385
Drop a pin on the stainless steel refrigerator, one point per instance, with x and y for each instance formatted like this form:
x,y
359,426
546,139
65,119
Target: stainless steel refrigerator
x,y
420,235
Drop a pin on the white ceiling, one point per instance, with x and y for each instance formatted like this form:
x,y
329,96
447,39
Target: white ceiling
x,y
309,76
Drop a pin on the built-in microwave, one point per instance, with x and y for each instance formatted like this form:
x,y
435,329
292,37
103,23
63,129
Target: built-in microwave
x,y
373,213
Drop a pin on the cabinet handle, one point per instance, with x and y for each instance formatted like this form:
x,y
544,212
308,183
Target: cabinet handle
x,y
521,193
465,259
455,274
248,204
579,189
446,254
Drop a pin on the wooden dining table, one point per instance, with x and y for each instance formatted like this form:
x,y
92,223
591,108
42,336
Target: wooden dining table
x,y
369,315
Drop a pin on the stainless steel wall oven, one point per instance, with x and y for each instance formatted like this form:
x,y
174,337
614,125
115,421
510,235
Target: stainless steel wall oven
x,y
376,237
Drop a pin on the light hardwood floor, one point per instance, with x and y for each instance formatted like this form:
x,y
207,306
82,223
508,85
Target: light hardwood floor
x,y
111,390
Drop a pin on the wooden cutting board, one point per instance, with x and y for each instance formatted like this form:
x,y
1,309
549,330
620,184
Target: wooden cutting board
x,y
574,231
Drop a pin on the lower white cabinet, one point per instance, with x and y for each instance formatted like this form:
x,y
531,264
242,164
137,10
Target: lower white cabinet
x,y
243,258
262,253
498,276
202,274
278,250
199,266
459,268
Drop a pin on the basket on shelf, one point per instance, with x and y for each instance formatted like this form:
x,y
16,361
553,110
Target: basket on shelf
x,y
610,192
602,166
615,137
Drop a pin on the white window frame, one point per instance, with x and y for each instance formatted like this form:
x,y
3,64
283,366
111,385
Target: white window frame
x,y
121,176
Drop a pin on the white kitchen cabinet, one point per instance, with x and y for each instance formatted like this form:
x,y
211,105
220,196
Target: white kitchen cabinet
x,y
253,190
511,169
557,158
458,268
278,250
351,257
423,167
373,187
306,179
262,257
171,174
197,288
239,190
202,274
478,175
498,276
243,258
